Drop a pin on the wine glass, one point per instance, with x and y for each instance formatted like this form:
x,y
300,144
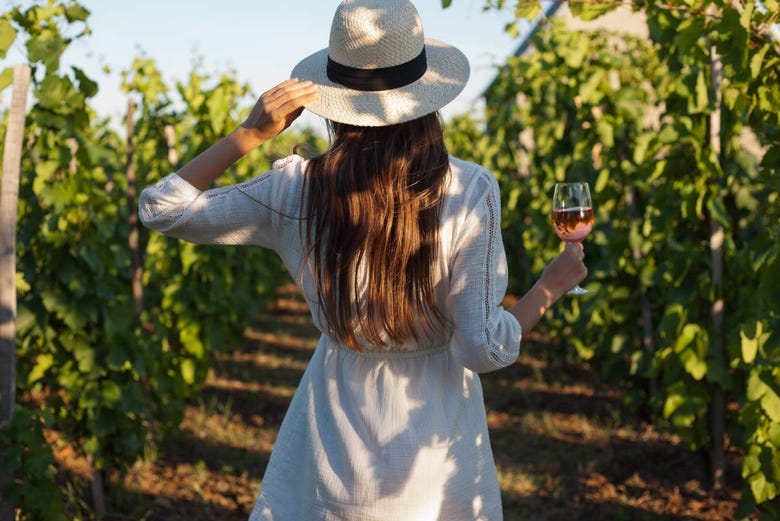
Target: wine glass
x,y
572,217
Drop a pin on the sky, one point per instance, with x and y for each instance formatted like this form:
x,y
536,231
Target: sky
x,y
261,40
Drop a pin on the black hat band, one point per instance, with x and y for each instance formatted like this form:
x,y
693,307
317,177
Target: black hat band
x,y
383,78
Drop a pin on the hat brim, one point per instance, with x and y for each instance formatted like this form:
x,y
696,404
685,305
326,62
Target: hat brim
x,y
445,78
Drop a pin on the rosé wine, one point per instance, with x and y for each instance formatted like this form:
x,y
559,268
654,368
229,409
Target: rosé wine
x,y
573,224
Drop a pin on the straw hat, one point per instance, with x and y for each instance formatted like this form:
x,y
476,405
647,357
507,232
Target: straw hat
x,y
379,69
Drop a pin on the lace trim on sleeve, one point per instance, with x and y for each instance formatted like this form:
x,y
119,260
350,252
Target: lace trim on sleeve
x,y
500,356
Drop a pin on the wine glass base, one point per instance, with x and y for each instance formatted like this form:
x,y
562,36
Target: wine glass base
x,y
577,290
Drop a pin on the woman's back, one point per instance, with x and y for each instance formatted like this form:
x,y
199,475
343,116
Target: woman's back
x,y
468,277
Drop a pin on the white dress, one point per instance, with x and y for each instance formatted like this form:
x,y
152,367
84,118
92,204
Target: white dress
x,y
395,434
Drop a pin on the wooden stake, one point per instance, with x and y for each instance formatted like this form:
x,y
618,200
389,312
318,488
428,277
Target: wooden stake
x,y
132,212
97,487
170,140
647,316
718,401
9,205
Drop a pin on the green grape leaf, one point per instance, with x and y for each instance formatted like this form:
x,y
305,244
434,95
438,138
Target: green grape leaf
x,y
591,10
85,354
7,36
694,365
189,256
75,12
188,371
761,489
719,212
750,335
770,403
758,60
111,393
6,77
690,32
86,84
43,363
762,388
772,157
527,9
756,388
53,91
46,47
773,434
702,94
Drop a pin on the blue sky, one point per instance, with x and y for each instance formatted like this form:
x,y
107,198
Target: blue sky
x,y
260,39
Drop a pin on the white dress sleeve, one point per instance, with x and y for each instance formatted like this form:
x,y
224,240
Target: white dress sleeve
x,y
486,337
248,213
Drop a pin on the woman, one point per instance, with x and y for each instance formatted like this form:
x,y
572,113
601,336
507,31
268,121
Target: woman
x,y
396,247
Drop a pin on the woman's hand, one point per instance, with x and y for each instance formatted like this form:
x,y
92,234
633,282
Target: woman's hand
x,y
278,107
565,271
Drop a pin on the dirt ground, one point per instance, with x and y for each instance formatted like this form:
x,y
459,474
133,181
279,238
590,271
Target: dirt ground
x,y
564,446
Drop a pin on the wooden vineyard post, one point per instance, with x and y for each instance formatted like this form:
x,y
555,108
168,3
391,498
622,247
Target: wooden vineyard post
x,y
717,404
647,316
132,212
170,141
9,205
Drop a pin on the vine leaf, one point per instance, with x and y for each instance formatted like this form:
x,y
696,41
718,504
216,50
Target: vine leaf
x,y
591,10
527,9
7,36
750,335
6,77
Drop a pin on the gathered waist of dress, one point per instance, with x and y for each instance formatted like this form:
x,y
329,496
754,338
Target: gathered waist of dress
x,y
390,354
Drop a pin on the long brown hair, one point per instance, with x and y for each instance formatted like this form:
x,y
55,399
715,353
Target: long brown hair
x,y
373,206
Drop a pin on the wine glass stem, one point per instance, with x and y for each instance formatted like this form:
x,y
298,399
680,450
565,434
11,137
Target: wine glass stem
x,y
578,290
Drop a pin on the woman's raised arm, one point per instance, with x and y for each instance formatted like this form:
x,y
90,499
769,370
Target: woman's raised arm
x,y
274,111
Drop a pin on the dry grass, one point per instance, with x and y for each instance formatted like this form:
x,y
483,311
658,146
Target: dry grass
x,y
564,447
